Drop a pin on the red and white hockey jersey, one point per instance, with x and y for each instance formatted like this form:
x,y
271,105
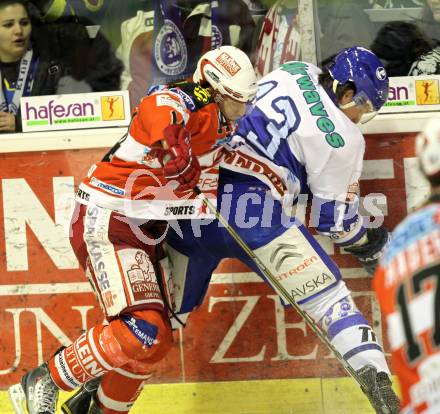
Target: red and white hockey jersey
x,y
407,284
131,181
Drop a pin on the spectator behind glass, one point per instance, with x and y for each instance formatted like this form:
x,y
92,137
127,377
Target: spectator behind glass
x,y
406,50
90,60
105,14
429,22
25,70
34,57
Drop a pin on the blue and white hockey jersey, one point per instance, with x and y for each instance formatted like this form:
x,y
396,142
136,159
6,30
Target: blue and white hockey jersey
x,y
297,141
294,140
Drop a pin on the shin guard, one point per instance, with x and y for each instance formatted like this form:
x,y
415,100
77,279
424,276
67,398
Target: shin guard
x,y
140,338
92,355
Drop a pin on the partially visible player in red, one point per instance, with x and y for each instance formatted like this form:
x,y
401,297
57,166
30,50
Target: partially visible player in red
x,y
186,122
407,285
120,250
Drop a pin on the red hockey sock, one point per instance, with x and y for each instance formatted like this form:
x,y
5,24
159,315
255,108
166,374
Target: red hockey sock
x,y
119,389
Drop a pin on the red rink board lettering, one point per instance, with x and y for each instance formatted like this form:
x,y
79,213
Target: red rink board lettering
x,y
240,332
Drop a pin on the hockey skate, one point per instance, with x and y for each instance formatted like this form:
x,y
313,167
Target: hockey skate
x,y
80,402
37,390
94,408
379,390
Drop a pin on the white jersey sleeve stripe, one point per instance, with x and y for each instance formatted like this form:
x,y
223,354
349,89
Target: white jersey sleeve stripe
x,y
131,150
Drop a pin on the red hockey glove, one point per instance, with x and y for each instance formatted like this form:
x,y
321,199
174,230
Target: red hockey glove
x,y
182,167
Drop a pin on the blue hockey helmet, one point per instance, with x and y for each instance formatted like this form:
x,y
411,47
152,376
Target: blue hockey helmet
x,y
366,71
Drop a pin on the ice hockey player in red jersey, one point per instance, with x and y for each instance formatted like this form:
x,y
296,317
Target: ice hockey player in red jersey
x,y
121,252
407,284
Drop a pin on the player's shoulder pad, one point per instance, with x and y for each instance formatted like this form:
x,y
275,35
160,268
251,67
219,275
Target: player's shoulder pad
x,y
194,95
164,98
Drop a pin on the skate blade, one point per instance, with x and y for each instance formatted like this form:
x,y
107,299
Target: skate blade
x,y
17,398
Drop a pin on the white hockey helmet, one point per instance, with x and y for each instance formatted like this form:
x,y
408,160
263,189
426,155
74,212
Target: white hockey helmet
x,y
428,148
229,71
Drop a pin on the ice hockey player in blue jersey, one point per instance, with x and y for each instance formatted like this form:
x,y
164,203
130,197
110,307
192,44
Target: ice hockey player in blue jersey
x,y
299,140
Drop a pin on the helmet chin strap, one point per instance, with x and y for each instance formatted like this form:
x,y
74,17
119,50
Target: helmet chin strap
x,y
351,104
367,117
218,97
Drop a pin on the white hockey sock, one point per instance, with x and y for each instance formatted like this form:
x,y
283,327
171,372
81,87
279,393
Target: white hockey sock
x,y
352,336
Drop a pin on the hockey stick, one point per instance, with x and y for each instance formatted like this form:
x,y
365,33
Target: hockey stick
x,y
284,293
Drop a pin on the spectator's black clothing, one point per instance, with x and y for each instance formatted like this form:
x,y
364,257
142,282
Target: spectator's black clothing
x,y
91,60
399,44
108,14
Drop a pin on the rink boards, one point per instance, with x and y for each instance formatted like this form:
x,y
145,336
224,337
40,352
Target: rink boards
x,y
241,332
